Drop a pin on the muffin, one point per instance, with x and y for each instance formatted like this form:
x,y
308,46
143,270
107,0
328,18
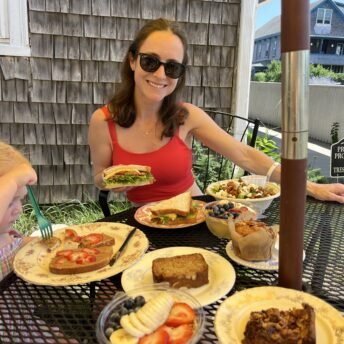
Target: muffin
x,y
252,240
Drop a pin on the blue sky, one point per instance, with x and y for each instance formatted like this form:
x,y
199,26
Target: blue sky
x,y
268,11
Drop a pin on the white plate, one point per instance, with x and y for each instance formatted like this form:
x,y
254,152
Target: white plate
x,y
271,264
258,204
31,263
221,273
233,314
143,216
37,233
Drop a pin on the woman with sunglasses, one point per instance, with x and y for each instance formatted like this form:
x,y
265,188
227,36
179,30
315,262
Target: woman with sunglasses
x,y
146,123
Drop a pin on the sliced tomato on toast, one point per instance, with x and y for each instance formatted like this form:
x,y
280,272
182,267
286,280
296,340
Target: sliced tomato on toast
x,y
64,253
71,234
92,239
180,314
91,251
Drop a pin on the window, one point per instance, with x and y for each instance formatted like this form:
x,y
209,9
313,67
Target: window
x,y
259,50
274,47
14,38
267,48
324,16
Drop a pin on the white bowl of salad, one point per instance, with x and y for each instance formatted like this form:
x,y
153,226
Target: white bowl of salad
x,y
258,197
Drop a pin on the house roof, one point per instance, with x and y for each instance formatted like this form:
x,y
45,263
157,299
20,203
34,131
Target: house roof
x,y
274,25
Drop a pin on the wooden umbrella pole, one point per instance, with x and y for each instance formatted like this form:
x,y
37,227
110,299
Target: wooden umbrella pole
x,y
295,75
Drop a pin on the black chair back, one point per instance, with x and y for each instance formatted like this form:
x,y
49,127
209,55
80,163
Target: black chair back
x,y
210,166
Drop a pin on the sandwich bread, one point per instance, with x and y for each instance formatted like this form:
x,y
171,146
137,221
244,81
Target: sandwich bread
x,y
173,211
127,175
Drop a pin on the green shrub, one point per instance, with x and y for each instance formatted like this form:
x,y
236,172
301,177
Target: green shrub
x,y
260,77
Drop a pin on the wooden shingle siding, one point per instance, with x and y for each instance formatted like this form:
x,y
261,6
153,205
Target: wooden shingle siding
x,y
77,47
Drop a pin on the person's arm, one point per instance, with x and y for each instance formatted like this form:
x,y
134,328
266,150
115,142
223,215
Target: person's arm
x,y
241,154
248,158
11,181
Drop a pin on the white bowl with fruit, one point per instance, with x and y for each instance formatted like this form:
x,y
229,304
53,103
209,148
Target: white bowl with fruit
x,y
219,213
258,197
150,314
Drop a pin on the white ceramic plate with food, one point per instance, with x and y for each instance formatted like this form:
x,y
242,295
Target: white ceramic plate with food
x,y
219,191
271,264
233,314
143,216
55,226
31,263
221,273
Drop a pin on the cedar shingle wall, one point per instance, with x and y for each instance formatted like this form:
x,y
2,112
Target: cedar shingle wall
x,y
76,49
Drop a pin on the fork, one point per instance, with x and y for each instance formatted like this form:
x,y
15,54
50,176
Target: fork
x,y
43,224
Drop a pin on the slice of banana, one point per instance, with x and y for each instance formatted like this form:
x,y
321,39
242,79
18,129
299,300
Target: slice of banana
x,y
135,321
122,337
155,312
129,327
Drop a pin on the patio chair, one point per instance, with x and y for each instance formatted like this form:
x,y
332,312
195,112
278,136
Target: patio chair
x,y
208,165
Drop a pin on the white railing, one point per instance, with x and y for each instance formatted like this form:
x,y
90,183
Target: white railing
x,y
325,107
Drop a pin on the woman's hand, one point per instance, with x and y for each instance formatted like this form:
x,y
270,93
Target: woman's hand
x,y
122,189
326,192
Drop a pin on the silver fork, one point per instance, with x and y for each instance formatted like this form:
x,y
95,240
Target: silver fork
x,y
43,224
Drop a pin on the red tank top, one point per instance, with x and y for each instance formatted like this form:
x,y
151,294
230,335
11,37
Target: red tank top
x,y
171,167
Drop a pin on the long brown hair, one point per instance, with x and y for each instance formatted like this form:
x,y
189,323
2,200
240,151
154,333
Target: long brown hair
x,y
122,106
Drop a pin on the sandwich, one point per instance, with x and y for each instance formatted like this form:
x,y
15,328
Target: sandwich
x,y
127,175
176,210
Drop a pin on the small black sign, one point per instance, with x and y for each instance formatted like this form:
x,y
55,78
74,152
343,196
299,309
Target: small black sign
x,y
337,159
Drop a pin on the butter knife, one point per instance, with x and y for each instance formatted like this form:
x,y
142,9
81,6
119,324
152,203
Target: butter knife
x,y
121,249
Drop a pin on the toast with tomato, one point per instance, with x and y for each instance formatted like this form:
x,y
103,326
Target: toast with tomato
x,y
75,261
73,240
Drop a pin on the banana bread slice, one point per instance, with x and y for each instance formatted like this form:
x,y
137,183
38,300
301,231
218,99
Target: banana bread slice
x,y
295,326
188,270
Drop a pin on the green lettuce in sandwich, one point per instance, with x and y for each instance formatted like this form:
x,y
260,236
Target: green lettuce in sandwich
x,y
127,175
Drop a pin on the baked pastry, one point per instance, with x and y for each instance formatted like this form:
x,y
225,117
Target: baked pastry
x,y
252,240
295,326
189,270
80,260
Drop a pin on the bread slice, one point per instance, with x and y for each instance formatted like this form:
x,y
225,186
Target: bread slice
x,y
189,270
127,175
80,260
180,205
52,243
96,240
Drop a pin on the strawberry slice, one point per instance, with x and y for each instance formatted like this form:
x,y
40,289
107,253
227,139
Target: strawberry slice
x,y
92,239
71,234
91,259
160,336
64,253
179,335
91,251
78,257
180,314
61,260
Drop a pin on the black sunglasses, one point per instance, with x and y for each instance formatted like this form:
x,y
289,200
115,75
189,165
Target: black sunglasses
x,y
150,63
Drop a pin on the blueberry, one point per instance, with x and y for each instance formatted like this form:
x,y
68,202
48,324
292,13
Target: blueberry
x,y
129,304
108,331
123,310
139,301
115,317
225,206
230,205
